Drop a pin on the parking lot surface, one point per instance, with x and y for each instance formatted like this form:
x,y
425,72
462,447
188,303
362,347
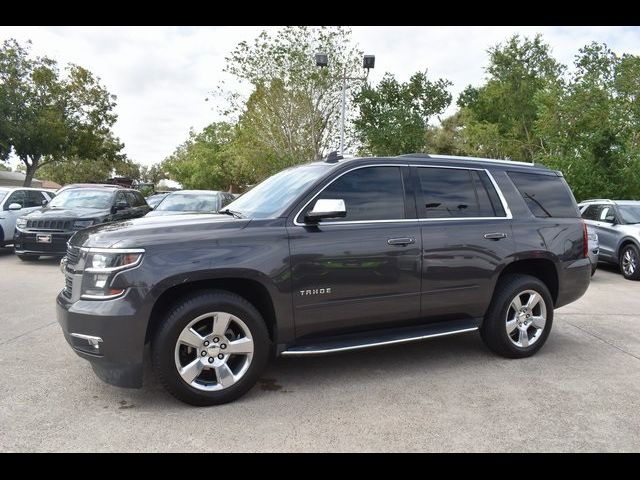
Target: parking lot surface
x,y
581,392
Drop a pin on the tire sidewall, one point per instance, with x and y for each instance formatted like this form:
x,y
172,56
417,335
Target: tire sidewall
x,y
496,327
636,274
164,342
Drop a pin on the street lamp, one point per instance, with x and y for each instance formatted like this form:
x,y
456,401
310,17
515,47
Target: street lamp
x,y
368,62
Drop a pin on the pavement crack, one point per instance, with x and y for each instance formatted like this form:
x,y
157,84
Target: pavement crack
x,y
605,341
27,333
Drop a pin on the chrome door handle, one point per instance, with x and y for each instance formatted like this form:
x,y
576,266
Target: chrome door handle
x,y
495,236
401,241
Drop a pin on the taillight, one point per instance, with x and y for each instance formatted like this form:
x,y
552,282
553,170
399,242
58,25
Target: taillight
x,y
585,240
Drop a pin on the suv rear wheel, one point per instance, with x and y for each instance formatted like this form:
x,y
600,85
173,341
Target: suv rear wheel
x,y
630,262
211,348
519,319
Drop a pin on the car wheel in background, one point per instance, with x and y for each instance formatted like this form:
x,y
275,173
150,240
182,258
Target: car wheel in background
x,y
519,318
630,262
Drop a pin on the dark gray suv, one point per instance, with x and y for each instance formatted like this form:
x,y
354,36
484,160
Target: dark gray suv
x,y
327,257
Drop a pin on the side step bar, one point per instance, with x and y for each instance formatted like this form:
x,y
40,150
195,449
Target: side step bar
x,y
369,341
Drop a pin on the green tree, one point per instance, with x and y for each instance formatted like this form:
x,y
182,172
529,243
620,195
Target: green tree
x,y
294,109
49,117
500,115
393,117
205,160
447,138
590,125
4,168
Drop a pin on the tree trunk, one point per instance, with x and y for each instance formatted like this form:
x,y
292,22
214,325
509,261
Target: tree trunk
x,y
31,170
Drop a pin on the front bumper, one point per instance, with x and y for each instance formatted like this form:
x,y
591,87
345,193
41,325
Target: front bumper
x,y
110,334
26,242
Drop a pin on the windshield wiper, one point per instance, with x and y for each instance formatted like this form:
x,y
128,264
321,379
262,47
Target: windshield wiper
x,y
233,213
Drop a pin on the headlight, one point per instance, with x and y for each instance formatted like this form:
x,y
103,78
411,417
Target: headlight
x,y
100,269
21,222
82,223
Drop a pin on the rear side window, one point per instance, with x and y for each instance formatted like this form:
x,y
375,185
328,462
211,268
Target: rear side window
x,y
545,195
457,193
591,212
371,193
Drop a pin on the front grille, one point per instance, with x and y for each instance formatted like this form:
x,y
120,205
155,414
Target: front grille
x,y
49,225
68,286
73,255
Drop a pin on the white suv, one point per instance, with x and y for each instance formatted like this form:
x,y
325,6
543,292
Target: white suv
x,y
16,202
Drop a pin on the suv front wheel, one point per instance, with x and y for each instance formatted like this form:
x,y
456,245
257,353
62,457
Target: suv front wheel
x,y
519,319
211,348
629,262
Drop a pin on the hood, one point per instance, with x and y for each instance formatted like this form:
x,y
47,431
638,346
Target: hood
x,y
149,231
63,213
162,213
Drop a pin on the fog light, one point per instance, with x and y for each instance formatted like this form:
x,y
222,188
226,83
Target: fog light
x,y
87,343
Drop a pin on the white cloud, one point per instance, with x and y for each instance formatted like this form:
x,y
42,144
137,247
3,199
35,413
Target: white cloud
x,y
161,75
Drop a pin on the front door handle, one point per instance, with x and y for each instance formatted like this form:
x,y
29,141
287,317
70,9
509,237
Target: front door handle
x,y
401,241
495,236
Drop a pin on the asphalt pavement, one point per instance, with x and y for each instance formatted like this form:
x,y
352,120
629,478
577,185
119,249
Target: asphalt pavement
x,y
581,392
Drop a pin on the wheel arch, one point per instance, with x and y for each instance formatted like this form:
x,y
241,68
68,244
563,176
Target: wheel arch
x,y
624,241
247,286
543,268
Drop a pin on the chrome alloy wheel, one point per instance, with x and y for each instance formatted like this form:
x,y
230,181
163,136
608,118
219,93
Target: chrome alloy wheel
x,y
214,351
629,262
526,318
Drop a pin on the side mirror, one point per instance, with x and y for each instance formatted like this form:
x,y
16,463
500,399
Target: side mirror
x,y
326,208
44,203
15,206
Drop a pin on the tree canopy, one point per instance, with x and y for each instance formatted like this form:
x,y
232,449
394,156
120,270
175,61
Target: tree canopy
x,y
49,116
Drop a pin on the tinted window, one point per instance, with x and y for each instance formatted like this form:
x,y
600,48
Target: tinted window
x,y
545,195
372,193
34,198
592,212
456,193
121,197
132,199
19,196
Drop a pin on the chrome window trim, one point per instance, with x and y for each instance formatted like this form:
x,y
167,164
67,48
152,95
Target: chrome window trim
x,y
496,161
505,205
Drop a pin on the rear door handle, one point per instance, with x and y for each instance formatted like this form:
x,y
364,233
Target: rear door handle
x,y
401,241
495,236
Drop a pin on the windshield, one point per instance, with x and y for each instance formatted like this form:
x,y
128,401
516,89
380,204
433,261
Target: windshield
x,y
189,202
83,198
269,198
629,213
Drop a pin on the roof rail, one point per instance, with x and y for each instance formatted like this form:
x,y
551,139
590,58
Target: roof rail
x,y
462,157
597,200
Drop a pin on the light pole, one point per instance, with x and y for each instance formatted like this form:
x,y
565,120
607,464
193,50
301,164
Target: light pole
x,y
368,62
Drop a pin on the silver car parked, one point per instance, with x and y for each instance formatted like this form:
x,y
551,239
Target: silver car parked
x,y
617,224
16,202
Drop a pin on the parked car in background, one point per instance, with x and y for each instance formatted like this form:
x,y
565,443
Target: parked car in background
x,y
18,201
191,201
46,230
155,198
617,224
327,257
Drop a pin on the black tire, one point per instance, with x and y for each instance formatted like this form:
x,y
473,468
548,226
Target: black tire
x,y
185,310
494,331
28,258
633,250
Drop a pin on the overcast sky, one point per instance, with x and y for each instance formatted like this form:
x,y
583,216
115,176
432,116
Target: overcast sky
x,y
161,75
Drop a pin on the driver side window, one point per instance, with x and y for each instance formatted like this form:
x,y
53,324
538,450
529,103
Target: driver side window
x,y
19,196
369,193
607,215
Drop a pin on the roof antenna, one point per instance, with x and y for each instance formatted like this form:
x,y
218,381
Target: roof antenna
x,y
333,157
